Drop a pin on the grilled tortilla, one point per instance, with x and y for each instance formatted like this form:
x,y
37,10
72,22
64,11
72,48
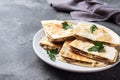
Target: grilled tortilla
x,y
109,55
66,55
102,33
55,31
48,45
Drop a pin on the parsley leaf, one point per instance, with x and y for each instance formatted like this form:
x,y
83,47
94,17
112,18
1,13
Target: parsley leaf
x,y
98,43
98,46
66,25
52,53
93,28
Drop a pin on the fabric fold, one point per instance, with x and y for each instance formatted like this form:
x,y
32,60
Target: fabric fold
x,y
87,10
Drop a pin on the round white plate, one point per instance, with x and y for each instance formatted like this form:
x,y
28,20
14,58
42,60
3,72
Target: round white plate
x,y
42,54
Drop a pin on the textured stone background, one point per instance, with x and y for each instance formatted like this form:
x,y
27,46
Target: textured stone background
x,y
19,21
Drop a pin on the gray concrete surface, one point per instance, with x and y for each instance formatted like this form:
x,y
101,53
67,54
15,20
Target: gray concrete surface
x,y
19,21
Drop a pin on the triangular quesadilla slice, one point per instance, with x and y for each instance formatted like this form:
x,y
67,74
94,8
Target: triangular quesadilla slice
x,y
107,54
96,32
58,31
48,45
66,55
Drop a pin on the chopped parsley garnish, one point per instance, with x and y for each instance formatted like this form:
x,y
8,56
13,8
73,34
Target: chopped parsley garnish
x,y
93,28
98,46
66,25
52,53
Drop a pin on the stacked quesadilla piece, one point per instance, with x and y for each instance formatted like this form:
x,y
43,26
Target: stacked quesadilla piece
x,y
66,55
108,55
97,32
55,31
46,44
83,43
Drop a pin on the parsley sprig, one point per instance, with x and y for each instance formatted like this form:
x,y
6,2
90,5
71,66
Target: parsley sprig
x,y
98,46
93,28
52,53
66,25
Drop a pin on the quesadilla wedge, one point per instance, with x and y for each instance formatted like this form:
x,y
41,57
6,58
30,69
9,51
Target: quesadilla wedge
x,y
107,55
96,32
48,45
66,55
58,31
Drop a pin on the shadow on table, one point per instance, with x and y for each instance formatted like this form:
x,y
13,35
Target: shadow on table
x,y
109,74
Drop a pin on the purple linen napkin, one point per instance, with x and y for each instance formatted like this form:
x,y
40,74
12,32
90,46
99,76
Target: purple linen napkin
x,y
87,10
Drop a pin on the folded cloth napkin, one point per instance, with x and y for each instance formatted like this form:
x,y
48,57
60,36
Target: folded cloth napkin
x,y
87,10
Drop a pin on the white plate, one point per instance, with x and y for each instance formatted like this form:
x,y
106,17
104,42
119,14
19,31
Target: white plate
x,y
42,54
